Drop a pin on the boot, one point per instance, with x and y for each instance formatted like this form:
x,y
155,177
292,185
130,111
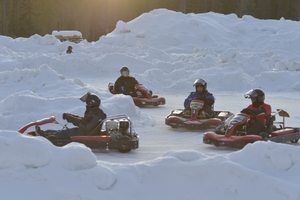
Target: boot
x,y
38,131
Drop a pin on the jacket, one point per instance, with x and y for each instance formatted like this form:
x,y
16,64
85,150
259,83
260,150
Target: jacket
x,y
92,117
206,96
125,85
262,112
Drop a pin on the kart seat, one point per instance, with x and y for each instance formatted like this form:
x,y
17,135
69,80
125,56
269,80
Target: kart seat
x,y
97,129
270,123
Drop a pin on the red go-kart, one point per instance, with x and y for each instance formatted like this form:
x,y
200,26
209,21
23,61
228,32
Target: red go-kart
x,y
195,118
115,132
234,133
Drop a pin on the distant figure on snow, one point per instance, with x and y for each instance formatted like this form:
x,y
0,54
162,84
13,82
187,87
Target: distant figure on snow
x,y
69,50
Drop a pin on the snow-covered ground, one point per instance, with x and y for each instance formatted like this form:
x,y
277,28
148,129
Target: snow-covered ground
x,y
166,51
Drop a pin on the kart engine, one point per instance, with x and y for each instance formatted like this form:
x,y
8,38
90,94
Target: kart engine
x,y
117,129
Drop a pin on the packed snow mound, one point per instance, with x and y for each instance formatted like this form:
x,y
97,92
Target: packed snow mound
x,y
166,51
266,165
207,45
207,28
41,152
41,156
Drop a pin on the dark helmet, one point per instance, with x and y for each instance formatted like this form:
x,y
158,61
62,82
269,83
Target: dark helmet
x,y
257,94
124,69
202,82
70,47
91,100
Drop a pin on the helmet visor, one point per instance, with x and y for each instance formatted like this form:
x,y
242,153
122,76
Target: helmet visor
x,y
84,97
125,73
251,94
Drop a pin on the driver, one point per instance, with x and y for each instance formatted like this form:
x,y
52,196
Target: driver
x,y
259,110
125,83
86,125
201,93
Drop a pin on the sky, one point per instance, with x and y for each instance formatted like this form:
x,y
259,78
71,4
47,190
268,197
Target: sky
x,y
166,51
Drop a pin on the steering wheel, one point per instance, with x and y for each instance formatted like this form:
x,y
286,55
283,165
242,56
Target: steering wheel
x,y
249,112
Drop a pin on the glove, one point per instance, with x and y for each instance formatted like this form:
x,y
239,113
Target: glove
x,y
246,111
75,122
71,117
65,115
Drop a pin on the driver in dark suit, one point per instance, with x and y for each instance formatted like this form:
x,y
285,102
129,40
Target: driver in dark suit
x,y
125,83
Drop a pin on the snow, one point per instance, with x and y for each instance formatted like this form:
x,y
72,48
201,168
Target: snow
x,y
67,33
166,51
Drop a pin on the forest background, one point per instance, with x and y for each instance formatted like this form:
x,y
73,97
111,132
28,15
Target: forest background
x,y
93,18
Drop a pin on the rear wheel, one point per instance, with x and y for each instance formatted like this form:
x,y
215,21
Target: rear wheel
x,y
124,148
295,141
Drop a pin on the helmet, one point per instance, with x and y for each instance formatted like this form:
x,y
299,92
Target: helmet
x,y
70,47
202,82
124,71
256,93
91,100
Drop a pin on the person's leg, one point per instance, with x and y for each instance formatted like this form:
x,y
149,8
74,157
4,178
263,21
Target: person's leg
x,y
207,110
67,133
256,128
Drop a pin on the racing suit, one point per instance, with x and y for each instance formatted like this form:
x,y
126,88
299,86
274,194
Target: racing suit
x,y
125,85
260,121
205,96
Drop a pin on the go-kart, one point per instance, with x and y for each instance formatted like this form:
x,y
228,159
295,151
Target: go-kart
x,y
234,132
115,132
196,118
142,96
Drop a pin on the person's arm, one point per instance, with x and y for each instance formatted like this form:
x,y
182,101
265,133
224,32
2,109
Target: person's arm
x,y
265,112
135,81
117,86
91,120
209,99
188,100
72,118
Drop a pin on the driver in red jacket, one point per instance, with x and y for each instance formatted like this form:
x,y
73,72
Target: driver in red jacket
x,y
259,111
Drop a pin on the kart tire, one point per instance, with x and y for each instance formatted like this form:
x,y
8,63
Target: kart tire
x,y
295,141
216,143
124,149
